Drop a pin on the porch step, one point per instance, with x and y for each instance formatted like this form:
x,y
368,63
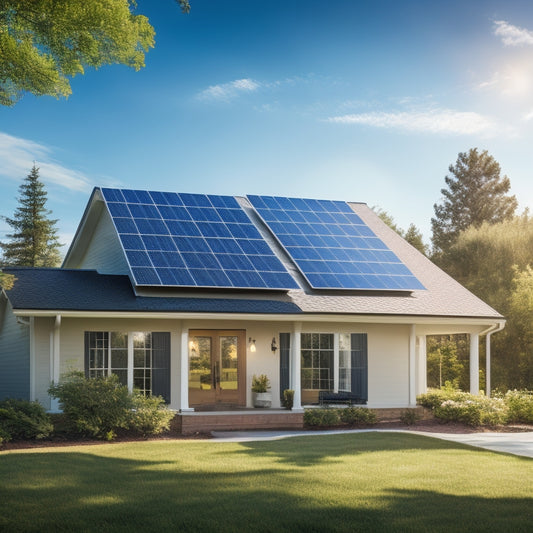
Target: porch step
x,y
204,422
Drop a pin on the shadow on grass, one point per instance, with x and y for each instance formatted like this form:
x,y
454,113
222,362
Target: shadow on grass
x,y
242,488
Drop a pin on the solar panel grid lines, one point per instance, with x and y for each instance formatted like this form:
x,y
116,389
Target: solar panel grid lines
x,y
332,246
193,240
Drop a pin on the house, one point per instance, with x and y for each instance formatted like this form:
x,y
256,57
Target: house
x,y
189,295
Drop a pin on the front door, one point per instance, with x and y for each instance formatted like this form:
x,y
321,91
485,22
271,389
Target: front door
x,y
217,367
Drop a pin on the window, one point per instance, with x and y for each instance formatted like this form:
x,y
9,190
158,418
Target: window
x,y
317,361
141,360
345,363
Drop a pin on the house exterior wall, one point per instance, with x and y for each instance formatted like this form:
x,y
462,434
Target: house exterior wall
x,y
388,351
104,250
14,354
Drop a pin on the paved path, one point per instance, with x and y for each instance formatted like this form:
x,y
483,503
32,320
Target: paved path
x,y
515,443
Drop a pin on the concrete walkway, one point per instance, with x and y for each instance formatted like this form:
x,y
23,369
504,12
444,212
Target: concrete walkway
x,y
515,443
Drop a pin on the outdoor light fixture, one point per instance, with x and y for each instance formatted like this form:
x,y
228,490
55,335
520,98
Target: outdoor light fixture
x,y
251,342
274,346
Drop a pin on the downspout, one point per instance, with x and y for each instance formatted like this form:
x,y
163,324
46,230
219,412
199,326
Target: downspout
x,y
489,332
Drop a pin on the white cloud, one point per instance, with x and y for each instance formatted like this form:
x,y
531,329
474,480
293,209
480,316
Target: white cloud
x,y
17,156
512,35
228,91
432,121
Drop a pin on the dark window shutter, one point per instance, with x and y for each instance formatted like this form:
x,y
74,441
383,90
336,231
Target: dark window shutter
x,y
87,352
284,362
359,356
161,365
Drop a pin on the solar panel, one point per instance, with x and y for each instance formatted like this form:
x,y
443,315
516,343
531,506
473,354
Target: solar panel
x,y
193,240
332,246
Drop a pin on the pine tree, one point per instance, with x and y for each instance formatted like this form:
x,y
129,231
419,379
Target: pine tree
x,y
476,193
34,240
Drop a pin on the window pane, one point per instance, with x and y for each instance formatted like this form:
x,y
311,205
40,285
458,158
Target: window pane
x,y
119,359
326,341
306,341
344,341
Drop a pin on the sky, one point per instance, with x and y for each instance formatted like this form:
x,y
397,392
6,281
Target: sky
x,y
365,101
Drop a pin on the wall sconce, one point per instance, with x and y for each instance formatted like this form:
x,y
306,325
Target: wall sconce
x,y
251,342
274,345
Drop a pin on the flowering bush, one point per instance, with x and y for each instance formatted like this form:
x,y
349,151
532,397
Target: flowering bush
x,y
520,405
475,411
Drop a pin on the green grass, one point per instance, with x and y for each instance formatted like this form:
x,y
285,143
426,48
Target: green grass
x,y
351,482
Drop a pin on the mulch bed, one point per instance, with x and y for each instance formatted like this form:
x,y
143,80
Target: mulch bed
x,y
429,426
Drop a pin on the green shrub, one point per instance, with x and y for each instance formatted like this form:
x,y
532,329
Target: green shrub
x,y
409,417
434,397
21,419
288,399
150,415
260,383
355,416
4,436
321,417
96,407
520,406
475,411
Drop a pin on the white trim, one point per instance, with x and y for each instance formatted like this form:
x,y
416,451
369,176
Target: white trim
x,y
129,371
184,369
295,370
33,396
412,366
336,362
474,363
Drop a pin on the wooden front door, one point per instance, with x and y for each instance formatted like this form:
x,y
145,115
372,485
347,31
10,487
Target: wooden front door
x,y
217,371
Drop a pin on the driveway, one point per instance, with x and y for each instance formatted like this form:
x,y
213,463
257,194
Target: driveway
x,y
515,443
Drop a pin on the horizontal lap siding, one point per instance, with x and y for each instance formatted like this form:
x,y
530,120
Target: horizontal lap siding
x,y
14,355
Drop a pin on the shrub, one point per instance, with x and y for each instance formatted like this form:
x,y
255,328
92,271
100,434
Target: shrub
x,y
4,436
96,407
520,406
409,417
150,415
288,399
321,417
475,411
434,397
21,419
354,416
260,383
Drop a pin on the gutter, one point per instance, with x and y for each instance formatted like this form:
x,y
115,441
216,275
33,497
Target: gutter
x,y
494,329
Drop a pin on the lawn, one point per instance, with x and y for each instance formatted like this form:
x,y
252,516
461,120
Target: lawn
x,y
351,482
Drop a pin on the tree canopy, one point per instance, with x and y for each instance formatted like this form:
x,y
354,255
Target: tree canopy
x,y
475,193
413,235
34,240
43,43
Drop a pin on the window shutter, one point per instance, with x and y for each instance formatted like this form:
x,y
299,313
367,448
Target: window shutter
x,y
284,362
87,352
359,356
161,365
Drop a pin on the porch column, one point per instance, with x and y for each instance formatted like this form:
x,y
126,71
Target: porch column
x,y
296,381
412,365
336,362
474,363
55,360
421,365
184,369
487,365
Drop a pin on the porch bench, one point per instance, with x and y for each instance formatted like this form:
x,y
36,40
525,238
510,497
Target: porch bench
x,y
350,398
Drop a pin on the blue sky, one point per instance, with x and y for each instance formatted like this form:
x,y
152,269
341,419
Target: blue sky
x,y
345,100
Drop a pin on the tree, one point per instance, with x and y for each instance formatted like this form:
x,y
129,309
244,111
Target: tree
x,y
34,240
6,281
476,193
43,43
412,235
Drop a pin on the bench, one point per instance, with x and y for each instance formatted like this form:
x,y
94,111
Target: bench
x,y
350,398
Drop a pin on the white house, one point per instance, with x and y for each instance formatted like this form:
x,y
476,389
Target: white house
x,y
189,296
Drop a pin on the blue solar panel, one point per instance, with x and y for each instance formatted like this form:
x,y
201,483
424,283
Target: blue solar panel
x,y
193,240
332,246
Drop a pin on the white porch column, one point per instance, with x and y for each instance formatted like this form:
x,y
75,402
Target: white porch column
x,y
55,359
487,365
421,366
412,365
336,362
474,363
184,369
296,381
33,396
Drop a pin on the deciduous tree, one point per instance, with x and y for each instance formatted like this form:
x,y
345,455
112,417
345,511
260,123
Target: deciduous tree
x,y
34,240
43,43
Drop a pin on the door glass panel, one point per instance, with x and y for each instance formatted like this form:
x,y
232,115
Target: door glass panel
x,y
200,376
228,363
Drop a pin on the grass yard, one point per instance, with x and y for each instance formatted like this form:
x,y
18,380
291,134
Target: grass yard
x,y
352,482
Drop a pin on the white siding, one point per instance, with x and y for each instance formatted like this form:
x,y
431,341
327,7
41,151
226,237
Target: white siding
x,y
104,251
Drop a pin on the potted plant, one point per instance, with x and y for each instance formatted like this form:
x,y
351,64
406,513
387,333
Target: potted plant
x,y
261,397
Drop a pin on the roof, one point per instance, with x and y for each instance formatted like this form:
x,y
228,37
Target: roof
x,y
87,290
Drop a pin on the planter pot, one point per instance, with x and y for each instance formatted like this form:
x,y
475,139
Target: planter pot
x,y
262,399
